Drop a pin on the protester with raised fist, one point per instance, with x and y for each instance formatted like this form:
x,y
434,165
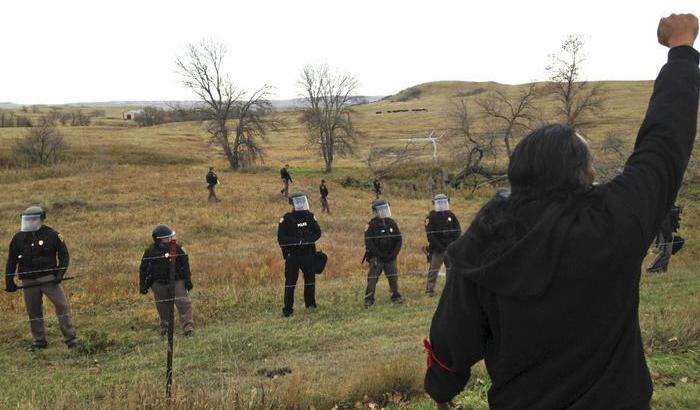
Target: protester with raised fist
x,y
544,285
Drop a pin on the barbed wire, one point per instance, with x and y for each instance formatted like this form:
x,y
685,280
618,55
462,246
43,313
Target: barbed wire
x,y
135,303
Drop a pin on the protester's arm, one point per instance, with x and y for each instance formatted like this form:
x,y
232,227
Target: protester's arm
x,y
653,173
457,335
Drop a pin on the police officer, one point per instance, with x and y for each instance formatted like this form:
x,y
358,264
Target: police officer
x,y
212,182
323,189
154,274
286,180
297,233
39,258
441,229
382,246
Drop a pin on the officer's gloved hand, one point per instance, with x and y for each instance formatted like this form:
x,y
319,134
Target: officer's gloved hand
x,y
10,286
188,285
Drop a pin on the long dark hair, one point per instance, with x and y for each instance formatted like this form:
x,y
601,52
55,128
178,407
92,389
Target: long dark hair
x,y
546,166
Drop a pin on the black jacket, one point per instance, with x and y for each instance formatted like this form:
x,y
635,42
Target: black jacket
x,y
43,251
212,179
297,232
441,228
556,317
284,174
323,190
155,266
382,239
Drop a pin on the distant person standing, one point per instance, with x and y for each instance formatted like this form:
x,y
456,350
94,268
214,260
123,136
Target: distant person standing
x,y
39,258
377,187
212,182
286,180
382,243
324,197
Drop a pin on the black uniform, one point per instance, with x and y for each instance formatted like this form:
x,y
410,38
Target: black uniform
x,y
296,234
155,267
441,228
382,245
40,253
556,316
40,260
284,174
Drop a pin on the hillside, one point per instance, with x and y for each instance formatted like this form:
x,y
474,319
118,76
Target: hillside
x,y
120,180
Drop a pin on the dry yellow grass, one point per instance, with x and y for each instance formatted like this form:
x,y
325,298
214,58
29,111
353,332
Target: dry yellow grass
x,y
117,183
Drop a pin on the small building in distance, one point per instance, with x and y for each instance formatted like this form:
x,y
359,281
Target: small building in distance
x,y
131,114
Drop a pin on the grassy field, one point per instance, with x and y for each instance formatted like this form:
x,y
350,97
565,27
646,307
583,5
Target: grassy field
x,y
118,182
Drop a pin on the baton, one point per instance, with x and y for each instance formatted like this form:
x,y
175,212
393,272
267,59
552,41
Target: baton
x,y
55,282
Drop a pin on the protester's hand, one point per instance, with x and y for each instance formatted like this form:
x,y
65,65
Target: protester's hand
x,y
678,30
10,287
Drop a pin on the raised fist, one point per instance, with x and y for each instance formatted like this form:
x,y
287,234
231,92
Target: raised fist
x,y
678,30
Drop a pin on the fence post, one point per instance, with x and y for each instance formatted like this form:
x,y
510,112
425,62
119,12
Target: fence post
x,y
171,317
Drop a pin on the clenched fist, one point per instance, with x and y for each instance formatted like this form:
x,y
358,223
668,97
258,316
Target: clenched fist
x,y
678,30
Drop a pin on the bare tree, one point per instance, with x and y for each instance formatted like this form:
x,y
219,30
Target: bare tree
x,y
611,155
329,95
383,161
41,145
202,72
254,120
576,98
515,114
470,149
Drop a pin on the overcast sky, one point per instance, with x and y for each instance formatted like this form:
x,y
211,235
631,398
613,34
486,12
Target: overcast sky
x,y
81,51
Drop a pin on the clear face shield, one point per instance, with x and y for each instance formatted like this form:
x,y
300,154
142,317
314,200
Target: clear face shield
x,y
301,203
164,241
441,205
30,223
383,211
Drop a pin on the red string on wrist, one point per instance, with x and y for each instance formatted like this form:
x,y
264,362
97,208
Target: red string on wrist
x,y
432,357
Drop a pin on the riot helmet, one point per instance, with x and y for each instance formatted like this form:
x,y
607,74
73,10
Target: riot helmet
x,y
32,219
